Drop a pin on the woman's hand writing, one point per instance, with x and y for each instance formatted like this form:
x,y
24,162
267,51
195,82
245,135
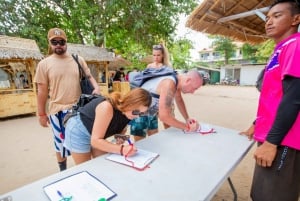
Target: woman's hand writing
x,y
129,150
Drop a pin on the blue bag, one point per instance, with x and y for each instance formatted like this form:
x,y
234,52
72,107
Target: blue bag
x,y
141,77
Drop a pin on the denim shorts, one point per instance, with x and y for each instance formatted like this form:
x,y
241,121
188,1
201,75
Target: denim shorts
x,y
77,137
140,125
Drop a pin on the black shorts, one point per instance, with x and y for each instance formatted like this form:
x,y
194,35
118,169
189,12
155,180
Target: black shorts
x,y
281,181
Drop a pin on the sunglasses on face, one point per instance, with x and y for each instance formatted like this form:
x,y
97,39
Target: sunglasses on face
x,y
56,42
139,113
157,47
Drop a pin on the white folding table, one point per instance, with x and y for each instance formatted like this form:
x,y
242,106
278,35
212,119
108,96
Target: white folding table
x,y
190,167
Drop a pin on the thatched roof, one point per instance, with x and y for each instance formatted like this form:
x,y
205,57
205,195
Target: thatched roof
x,y
147,59
118,62
239,19
18,48
90,53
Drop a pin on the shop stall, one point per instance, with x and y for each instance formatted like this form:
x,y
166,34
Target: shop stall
x,y
18,60
117,63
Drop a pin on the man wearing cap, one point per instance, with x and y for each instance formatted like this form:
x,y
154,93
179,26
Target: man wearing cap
x,y
57,77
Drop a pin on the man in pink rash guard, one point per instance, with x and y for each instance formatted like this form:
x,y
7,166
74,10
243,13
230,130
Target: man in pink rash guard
x,y
277,129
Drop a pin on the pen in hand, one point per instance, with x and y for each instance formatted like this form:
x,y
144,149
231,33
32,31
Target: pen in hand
x,y
132,149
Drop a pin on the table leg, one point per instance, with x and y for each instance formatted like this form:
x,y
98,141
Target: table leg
x,y
232,188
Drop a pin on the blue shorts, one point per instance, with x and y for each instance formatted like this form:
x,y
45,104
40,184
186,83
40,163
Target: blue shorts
x,y
77,137
140,125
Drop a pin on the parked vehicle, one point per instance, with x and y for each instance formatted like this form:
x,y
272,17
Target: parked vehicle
x,y
229,81
205,75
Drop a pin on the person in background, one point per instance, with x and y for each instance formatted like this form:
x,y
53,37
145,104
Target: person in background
x,y
101,118
276,175
57,76
133,73
23,82
103,77
110,79
127,76
120,75
19,82
160,55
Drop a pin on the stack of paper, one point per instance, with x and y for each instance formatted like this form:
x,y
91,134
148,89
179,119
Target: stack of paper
x,y
79,187
139,161
203,129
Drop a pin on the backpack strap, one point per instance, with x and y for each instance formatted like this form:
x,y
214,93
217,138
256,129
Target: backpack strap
x,y
154,95
75,57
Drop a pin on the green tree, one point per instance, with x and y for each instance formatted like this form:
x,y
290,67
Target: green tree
x,y
225,46
180,54
249,52
265,50
115,24
135,52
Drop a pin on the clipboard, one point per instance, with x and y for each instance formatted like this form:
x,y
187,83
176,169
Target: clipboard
x,y
140,161
78,187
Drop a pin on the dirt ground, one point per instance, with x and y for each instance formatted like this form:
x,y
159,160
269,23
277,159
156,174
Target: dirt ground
x,y
27,152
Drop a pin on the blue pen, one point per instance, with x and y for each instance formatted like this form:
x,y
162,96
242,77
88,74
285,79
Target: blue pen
x,y
128,140
62,196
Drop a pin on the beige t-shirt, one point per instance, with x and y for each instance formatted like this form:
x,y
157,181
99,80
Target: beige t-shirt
x,y
61,74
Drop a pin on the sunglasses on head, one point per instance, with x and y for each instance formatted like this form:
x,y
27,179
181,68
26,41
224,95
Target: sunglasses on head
x,y
56,42
139,113
157,47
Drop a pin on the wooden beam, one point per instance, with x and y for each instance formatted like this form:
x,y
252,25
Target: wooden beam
x,y
203,16
260,14
240,27
242,15
237,5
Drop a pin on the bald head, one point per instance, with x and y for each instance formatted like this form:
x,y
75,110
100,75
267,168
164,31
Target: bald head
x,y
192,81
195,75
